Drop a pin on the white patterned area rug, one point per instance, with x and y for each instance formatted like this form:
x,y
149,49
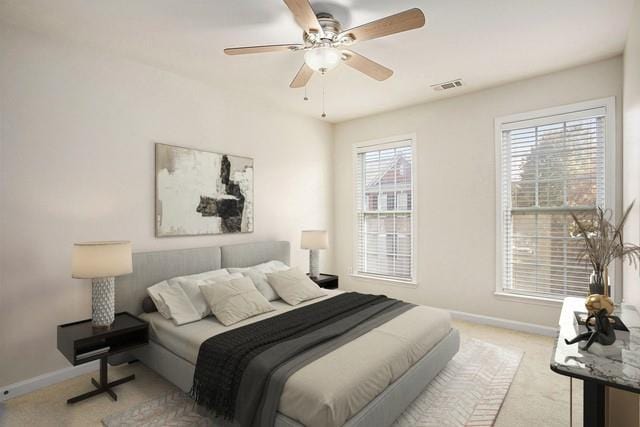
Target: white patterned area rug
x,y
468,392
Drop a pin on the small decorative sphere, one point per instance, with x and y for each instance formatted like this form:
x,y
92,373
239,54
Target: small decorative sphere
x,y
596,302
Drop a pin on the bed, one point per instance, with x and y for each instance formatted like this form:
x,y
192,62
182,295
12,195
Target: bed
x,y
402,355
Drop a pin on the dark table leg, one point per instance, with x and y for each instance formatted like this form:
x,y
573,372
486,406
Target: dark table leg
x,y
104,386
593,400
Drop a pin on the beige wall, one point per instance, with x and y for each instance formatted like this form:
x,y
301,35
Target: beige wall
x,y
456,187
631,148
77,163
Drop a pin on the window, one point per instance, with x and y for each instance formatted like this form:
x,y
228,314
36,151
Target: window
x,y
373,202
391,201
385,216
550,164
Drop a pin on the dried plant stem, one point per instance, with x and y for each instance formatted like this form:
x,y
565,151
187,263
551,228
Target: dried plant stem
x,y
603,243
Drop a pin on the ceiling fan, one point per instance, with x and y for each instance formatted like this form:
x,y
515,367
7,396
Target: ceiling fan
x,y
326,43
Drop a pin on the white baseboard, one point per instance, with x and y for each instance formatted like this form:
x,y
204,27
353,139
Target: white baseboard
x,y
531,328
35,383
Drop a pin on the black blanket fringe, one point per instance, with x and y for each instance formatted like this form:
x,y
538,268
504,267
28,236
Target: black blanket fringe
x,y
223,358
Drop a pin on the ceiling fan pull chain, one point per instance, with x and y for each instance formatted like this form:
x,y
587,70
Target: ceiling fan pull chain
x,y
306,98
324,114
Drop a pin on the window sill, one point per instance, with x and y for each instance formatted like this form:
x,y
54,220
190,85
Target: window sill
x,y
394,282
529,299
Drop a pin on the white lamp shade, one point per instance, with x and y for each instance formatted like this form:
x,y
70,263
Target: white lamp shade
x,y
92,260
323,58
314,239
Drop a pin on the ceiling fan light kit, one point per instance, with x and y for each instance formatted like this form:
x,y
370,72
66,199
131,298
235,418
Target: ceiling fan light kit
x,y
323,59
325,44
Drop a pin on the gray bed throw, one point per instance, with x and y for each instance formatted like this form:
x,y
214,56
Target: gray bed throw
x,y
240,374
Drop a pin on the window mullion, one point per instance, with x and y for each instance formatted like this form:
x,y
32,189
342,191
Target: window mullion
x,y
394,238
537,168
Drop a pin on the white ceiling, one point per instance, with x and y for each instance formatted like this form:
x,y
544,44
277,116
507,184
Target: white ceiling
x,y
484,42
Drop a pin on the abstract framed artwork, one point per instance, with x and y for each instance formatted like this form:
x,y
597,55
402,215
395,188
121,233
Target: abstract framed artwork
x,y
202,193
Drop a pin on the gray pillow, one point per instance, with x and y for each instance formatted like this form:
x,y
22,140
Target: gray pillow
x,y
148,306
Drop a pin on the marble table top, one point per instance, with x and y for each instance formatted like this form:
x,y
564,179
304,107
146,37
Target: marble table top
x,y
617,365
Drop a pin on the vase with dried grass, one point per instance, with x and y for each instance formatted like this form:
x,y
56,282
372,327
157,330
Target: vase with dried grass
x,y
603,244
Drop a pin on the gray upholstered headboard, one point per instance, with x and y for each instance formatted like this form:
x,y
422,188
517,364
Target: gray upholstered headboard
x,y
150,268
248,254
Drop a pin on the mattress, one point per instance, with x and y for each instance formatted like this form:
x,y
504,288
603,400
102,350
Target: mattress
x,y
330,390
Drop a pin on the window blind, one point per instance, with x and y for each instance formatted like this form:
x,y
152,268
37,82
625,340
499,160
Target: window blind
x,y
385,211
551,166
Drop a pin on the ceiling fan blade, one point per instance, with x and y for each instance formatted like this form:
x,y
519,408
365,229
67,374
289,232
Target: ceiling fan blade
x,y
366,66
262,49
304,16
302,78
403,21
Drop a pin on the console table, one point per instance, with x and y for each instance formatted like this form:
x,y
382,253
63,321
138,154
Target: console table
x,y
617,365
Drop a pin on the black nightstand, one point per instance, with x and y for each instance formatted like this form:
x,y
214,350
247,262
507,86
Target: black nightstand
x,y
327,281
80,343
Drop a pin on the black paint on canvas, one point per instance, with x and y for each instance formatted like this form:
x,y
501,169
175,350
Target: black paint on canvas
x,y
229,210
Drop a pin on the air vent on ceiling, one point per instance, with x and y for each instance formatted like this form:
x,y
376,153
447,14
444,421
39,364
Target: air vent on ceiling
x,y
448,85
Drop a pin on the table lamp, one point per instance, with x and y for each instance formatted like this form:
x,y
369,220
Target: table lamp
x,y
101,262
314,240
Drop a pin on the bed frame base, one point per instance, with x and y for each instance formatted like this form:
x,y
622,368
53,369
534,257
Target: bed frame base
x,y
380,412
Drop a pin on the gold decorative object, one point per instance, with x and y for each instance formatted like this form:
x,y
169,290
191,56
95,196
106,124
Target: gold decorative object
x,y
598,323
595,303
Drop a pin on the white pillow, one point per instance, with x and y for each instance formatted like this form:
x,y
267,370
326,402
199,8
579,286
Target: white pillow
x,y
181,309
154,293
191,287
294,286
202,276
235,300
213,280
257,274
272,266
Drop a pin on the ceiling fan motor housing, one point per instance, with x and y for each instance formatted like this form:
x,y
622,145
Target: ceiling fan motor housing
x,y
330,27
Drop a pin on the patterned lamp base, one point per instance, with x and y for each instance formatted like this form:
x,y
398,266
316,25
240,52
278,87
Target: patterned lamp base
x,y
102,302
314,263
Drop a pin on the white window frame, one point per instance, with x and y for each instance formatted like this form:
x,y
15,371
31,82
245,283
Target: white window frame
x,y
379,144
610,176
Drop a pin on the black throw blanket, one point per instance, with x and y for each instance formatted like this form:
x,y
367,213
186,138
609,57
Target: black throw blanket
x,y
223,359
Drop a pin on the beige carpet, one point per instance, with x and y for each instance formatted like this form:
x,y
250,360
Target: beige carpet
x,y
537,397
469,391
